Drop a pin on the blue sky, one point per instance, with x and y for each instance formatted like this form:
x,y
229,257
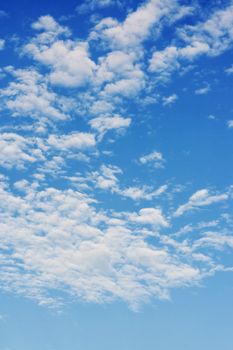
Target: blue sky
x,y
116,138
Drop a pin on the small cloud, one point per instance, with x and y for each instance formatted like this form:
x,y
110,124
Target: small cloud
x,y
169,100
104,124
154,158
202,91
230,123
229,70
2,44
212,117
92,5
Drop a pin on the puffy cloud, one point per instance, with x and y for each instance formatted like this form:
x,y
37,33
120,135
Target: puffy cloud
x,y
106,178
210,37
141,193
165,61
50,29
137,26
68,61
151,216
29,96
16,151
59,241
71,239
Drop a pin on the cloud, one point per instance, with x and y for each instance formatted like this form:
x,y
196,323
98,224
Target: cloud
x,y
151,216
140,193
29,96
92,5
78,140
68,61
199,199
137,26
72,226
230,123
229,70
202,91
106,178
211,37
50,28
104,123
16,151
2,44
67,245
169,100
154,158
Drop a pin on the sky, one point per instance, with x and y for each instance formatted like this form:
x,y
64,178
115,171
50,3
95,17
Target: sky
x,y
116,175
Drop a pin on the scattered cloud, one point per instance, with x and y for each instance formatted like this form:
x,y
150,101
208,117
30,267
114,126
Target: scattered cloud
x,y
230,123
70,222
169,100
202,91
92,5
154,158
199,199
2,44
105,123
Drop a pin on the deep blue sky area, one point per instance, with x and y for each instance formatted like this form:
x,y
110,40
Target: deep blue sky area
x,y
116,175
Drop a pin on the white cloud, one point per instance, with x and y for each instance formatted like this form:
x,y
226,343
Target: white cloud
x,y
137,26
29,96
165,61
50,28
92,5
169,100
229,70
230,123
2,44
214,239
151,216
202,91
140,193
68,61
199,199
154,158
106,123
106,177
70,239
16,151
77,140
211,37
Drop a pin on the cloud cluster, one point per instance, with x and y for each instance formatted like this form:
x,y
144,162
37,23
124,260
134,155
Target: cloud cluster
x,y
71,222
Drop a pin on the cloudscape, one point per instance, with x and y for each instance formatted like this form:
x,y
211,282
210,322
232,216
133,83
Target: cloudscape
x,y
116,175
